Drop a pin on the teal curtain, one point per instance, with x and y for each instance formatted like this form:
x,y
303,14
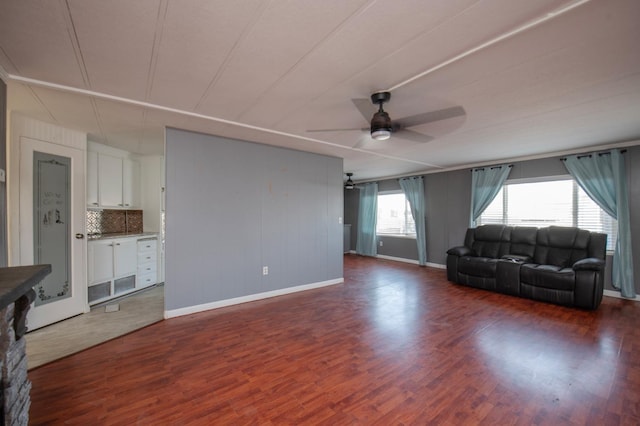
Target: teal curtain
x,y
367,218
602,176
413,188
486,182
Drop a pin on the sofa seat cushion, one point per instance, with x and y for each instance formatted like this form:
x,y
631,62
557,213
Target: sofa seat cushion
x,y
547,276
478,266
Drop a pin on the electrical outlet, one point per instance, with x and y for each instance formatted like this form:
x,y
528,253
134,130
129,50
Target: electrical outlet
x,y
340,220
381,243
265,270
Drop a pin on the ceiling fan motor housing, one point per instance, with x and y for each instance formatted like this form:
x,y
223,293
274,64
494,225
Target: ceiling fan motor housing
x,y
381,122
380,98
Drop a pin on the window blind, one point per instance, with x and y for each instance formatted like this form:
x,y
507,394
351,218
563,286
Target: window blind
x,y
545,203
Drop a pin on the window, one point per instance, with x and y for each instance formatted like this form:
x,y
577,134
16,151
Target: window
x,y
559,202
394,215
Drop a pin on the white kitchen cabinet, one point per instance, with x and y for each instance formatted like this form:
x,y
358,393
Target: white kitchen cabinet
x,y
113,181
92,179
110,181
125,260
113,266
130,182
100,261
147,273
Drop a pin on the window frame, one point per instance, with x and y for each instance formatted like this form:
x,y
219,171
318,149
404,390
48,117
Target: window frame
x,y
542,179
407,209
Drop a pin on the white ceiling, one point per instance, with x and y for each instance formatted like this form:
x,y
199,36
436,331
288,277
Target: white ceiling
x,y
534,77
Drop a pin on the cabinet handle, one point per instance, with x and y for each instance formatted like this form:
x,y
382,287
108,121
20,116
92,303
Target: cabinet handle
x,y
117,244
94,204
127,205
120,205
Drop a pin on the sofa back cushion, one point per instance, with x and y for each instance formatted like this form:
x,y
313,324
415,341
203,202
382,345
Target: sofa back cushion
x,y
561,246
523,241
491,241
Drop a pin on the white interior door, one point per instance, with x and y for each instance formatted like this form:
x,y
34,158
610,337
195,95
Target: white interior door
x,y
52,228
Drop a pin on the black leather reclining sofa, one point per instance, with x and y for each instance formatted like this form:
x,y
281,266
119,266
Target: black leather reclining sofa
x,y
560,265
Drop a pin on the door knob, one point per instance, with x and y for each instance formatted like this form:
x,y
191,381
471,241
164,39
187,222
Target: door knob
x,y
79,236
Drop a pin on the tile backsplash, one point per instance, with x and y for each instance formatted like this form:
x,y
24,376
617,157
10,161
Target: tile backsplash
x,y
114,221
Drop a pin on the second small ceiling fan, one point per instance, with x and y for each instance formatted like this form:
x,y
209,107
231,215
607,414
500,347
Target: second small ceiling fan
x,y
382,127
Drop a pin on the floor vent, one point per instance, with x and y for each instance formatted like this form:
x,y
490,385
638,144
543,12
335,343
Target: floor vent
x,y
112,308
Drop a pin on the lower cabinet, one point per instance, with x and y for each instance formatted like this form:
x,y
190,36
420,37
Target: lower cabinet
x,y
119,266
147,272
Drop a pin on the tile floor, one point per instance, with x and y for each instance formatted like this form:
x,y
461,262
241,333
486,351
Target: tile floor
x,y
83,331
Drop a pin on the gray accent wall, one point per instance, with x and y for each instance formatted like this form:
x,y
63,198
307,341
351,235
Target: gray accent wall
x,y
448,196
233,207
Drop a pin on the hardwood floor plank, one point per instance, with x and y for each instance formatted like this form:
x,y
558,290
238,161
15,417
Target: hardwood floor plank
x,y
396,344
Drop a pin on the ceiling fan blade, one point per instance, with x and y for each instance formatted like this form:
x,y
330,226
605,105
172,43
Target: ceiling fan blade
x,y
334,130
429,117
410,135
366,108
364,141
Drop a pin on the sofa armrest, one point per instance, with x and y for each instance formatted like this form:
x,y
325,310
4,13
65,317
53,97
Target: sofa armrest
x,y
589,264
460,251
516,258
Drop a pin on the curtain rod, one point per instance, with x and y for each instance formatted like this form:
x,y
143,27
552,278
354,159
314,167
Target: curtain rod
x,y
490,168
622,151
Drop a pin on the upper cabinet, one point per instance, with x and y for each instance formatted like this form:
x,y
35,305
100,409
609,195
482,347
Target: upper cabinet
x,y
92,179
113,178
110,181
130,183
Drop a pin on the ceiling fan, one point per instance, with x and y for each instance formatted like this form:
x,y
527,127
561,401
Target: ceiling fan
x,y
349,184
382,126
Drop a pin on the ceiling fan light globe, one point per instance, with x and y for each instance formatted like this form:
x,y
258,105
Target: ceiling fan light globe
x,y
380,134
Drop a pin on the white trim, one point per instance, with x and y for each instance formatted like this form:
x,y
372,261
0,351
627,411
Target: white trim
x,y
531,24
403,260
617,295
397,259
538,179
582,150
406,237
436,265
100,95
250,298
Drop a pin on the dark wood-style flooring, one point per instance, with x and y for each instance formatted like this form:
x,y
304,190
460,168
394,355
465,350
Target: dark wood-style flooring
x,y
395,344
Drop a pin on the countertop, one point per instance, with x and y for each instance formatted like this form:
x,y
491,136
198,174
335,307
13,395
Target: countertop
x,y
96,237
17,280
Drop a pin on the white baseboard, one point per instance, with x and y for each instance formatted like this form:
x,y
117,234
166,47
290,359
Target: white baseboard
x,y
402,259
250,298
617,295
397,259
436,265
